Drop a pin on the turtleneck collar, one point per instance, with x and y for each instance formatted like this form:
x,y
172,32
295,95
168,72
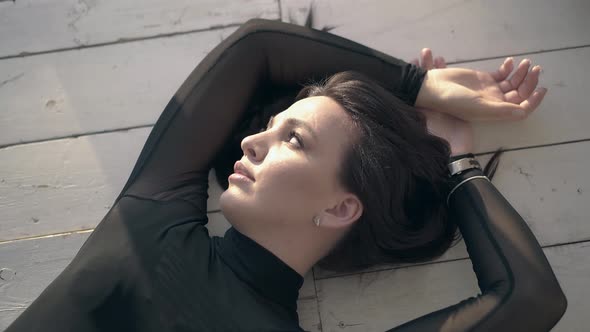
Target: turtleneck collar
x,y
260,268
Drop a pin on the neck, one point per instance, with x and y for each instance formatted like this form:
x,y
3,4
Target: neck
x,y
298,248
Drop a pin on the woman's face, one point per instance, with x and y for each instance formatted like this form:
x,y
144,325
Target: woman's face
x,y
293,164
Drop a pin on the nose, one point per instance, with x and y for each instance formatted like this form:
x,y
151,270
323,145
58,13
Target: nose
x,y
254,147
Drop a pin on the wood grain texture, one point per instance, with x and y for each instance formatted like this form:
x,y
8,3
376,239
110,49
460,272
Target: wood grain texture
x,y
378,301
96,89
34,26
128,85
68,185
27,267
459,30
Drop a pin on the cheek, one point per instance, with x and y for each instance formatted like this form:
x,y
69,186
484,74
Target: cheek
x,y
297,183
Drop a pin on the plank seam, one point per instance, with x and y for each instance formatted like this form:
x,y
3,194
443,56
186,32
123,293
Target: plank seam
x,y
124,40
520,54
46,236
441,262
534,146
83,231
280,10
317,299
108,131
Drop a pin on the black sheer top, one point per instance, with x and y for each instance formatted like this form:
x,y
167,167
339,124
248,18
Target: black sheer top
x,y
151,265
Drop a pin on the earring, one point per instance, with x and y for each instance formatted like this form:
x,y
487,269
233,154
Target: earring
x,y
316,220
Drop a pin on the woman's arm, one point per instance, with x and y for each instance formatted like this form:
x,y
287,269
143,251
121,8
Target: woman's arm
x,y
519,291
207,107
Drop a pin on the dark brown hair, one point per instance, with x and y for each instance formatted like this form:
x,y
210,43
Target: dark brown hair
x,y
395,166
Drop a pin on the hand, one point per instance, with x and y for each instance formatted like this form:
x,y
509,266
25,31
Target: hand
x,y
481,96
457,132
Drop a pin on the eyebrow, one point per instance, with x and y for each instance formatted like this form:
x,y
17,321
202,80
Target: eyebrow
x,y
296,123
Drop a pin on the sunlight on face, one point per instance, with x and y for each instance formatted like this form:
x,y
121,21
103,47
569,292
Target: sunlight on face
x,y
293,164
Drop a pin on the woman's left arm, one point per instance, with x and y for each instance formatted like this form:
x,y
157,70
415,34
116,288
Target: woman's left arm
x,y
519,291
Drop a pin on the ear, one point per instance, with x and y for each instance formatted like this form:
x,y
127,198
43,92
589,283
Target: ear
x,y
342,215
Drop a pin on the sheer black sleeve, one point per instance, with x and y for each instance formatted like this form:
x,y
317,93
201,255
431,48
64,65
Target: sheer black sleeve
x,y
519,291
209,105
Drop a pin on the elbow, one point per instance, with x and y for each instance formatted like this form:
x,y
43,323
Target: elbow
x,y
254,24
549,302
559,304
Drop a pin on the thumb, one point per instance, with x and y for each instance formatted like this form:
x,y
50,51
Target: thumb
x,y
526,107
506,111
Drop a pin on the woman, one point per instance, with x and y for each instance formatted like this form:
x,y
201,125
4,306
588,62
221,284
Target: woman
x,y
346,176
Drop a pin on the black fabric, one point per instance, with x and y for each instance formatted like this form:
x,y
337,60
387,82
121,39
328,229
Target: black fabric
x,y
151,265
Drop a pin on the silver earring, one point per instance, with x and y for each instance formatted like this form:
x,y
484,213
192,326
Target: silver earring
x,y
316,220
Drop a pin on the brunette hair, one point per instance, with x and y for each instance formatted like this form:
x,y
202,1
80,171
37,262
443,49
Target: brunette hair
x,y
394,165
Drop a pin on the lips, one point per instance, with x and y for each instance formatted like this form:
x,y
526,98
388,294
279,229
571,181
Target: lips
x,y
241,169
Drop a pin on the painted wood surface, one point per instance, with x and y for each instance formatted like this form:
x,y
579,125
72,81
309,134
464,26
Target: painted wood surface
x,y
128,85
27,267
378,301
29,26
96,89
461,30
68,185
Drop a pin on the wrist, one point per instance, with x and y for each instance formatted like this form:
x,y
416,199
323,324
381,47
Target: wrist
x,y
427,97
457,156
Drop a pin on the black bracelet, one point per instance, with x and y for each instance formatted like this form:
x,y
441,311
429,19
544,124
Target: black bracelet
x,y
459,179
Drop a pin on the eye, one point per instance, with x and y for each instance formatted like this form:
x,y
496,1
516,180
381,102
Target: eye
x,y
292,134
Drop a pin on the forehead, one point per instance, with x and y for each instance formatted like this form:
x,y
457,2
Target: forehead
x,y
316,111
327,118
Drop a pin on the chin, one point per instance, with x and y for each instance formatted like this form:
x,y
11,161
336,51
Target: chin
x,y
233,205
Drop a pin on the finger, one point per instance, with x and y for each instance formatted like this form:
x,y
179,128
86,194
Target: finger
x,y
520,73
512,96
532,102
439,62
504,70
415,62
530,83
503,111
426,56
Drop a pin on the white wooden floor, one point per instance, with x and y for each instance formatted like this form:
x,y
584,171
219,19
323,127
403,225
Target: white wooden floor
x,y
83,81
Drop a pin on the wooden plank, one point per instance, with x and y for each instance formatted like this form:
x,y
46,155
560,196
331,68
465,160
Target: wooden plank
x,y
34,26
549,189
96,89
459,30
378,301
52,95
28,266
68,185
307,305
562,116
